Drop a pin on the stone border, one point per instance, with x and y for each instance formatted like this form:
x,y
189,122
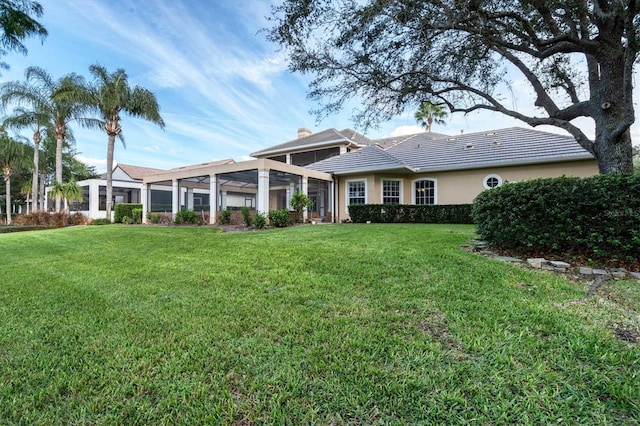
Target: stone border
x,y
481,247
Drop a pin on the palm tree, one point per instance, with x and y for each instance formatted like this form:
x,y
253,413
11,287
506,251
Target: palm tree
x,y
111,95
17,23
57,101
70,191
12,157
428,114
37,122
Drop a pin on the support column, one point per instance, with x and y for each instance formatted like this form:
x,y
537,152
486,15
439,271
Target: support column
x,y
288,159
175,197
305,190
263,192
290,191
223,200
190,198
94,200
213,199
144,198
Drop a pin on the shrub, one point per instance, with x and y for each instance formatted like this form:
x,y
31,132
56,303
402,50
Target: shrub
x,y
402,213
279,218
260,220
59,220
246,216
125,209
225,217
185,216
136,215
299,201
103,221
597,216
154,217
79,219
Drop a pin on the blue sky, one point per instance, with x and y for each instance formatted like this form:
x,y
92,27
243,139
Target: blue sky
x,y
223,90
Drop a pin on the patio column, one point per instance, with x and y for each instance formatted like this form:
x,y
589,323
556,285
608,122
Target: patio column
x,y
175,197
223,200
94,200
190,198
288,159
305,190
144,197
213,199
290,192
263,192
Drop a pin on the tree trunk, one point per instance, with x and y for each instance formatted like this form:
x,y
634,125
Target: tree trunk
x,y
614,155
110,147
36,173
7,186
59,145
43,200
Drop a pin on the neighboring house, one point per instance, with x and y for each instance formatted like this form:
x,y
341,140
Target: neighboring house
x,y
423,169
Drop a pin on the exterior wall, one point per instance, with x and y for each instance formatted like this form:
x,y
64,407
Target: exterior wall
x,y
459,187
119,174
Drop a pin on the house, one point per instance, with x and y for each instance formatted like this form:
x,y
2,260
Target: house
x,y
339,168
427,169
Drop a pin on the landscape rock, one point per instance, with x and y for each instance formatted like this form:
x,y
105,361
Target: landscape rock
x,y
636,275
536,262
559,264
600,272
508,259
586,271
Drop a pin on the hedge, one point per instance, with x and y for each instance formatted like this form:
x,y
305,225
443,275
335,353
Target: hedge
x,y
403,213
122,210
594,216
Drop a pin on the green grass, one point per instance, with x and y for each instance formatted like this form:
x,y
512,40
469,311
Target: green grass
x,y
344,324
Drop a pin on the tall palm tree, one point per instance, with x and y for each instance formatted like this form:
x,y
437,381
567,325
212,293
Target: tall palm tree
x,y
428,114
110,95
12,157
37,121
56,100
17,22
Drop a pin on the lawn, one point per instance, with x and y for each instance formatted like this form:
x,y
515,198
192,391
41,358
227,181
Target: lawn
x,y
335,324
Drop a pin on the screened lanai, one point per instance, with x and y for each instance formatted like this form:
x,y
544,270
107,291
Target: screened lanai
x,y
262,185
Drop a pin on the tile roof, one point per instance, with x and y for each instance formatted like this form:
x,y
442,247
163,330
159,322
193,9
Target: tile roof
x,y
367,159
425,152
138,172
315,140
211,163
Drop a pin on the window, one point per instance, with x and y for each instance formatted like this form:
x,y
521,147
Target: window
x,y
492,181
356,192
390,192
425,192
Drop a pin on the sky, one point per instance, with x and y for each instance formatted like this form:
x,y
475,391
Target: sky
x,y
224,91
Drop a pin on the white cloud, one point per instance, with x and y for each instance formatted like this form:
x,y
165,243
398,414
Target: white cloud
x,y
406,130
99,163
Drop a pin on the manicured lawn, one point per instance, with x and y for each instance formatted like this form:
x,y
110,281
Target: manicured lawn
x,y
344,324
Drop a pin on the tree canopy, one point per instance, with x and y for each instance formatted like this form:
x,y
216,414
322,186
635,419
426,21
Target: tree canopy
x,y
17,22
576,56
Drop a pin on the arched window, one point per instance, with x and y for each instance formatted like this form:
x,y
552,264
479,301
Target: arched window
x,y
425,192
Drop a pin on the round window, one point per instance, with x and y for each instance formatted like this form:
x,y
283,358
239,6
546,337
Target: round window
x,y
492,181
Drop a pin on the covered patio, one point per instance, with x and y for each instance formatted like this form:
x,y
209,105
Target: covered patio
x,y
261,184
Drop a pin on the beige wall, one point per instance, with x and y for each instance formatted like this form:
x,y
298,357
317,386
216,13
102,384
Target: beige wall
x,y
462,186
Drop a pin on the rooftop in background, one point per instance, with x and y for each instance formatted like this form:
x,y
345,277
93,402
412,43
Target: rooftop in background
x,y
422,152
307,140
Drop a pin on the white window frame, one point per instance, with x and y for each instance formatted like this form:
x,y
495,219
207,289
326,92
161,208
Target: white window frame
x,y
346,191
491,176
435,190
400,189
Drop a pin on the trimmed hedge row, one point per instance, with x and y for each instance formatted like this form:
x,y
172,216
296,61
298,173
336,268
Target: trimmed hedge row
x,y
122,210
599,215
403,213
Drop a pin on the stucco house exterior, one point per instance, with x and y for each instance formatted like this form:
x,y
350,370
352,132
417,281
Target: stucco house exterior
x,y
432,168
336,168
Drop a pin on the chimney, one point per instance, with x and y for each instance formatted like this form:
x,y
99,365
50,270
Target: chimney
x,y
303,132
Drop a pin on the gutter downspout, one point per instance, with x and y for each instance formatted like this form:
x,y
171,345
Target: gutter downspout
x,y
335,198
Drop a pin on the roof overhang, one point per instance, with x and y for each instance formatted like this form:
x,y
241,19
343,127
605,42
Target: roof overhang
x,y
303,148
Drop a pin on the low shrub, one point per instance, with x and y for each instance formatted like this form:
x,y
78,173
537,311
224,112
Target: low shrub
x,y
246,216
280,218
103,221
599,215
59,220
79,219
260,220
125,209
136,215
35,218
404,213
154,217
225,217
186,216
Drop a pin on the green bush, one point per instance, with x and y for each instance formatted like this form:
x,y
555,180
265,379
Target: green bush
x,y
125,209
402,213
103,221
186,216
136,215
260,220
225,217
597,216
246,216
154,217
279,218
